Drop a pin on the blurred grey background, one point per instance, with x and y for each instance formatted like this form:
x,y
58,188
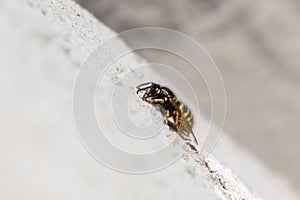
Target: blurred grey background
x,y
256,45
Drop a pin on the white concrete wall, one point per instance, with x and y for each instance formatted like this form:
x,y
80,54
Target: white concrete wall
x,y
41,48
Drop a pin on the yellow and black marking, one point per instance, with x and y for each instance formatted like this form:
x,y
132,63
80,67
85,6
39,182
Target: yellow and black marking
x,y
180,115
186,114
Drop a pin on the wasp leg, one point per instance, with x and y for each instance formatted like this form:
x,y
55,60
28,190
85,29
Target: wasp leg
x,y
181,135
176,125
155,101
173,128
167,116
188,130
193,147
176,120
195,139
171,125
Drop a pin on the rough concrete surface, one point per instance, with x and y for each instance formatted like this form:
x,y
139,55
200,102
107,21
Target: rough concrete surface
x,y
42,46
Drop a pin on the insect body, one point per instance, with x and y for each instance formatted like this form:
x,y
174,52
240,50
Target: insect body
x,y
177,116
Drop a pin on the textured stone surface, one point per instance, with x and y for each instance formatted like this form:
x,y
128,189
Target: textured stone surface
x,y
42,46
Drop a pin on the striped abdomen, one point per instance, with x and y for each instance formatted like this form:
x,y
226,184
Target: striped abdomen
x,y
186,118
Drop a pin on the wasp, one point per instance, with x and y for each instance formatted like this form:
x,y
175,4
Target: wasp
x,y
177,115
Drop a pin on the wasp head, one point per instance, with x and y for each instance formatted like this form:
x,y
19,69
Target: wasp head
x,y
150,90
